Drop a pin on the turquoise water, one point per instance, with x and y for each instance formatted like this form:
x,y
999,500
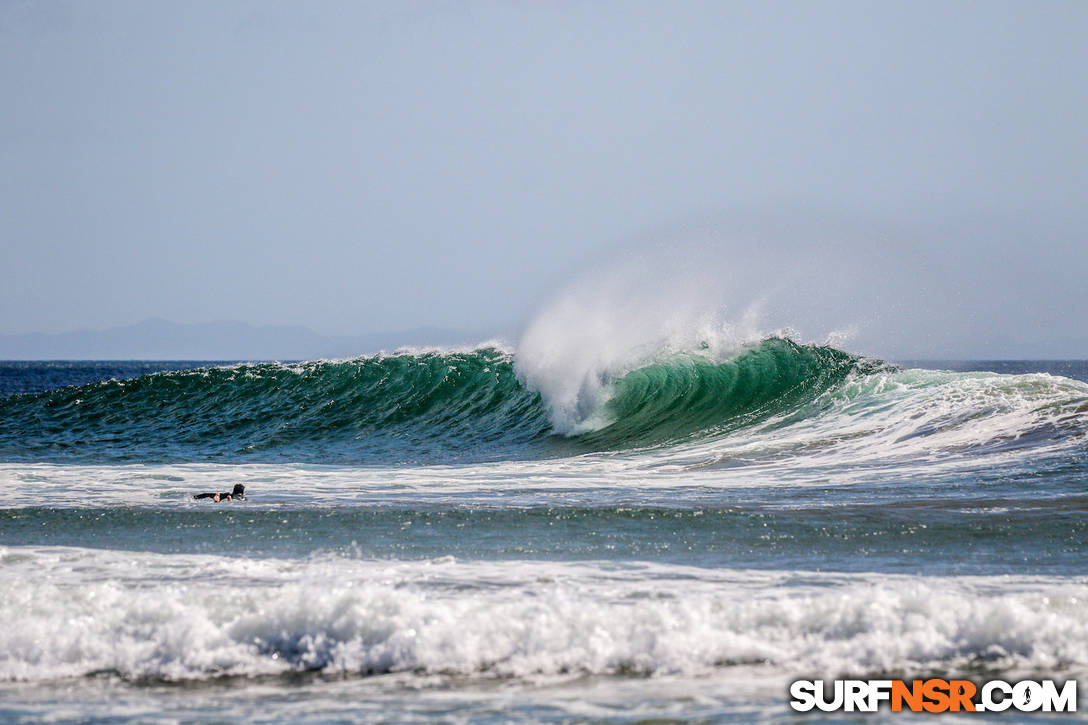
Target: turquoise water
x,y
438,535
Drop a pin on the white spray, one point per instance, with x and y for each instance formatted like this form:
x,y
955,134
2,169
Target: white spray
x,y
700,294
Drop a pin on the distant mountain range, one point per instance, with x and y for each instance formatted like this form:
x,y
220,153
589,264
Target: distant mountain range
x,y
157,339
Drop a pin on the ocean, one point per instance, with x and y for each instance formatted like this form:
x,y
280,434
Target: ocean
x,y
465,535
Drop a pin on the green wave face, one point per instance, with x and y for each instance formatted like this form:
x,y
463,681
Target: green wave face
x,y
404,408
690,396
397,408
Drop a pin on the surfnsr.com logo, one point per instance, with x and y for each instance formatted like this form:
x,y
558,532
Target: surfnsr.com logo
x,y
933,695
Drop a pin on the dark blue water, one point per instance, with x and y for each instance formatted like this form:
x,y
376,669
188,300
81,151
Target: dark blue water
x,y
35,376
1075,369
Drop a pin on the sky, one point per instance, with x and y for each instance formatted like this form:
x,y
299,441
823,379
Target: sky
x,y
364,167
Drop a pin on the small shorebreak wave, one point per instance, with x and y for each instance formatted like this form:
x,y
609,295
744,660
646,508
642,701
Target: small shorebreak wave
x,y
473,406
340,615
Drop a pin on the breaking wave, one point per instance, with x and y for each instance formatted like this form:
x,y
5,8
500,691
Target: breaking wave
x,y
210,617
480,405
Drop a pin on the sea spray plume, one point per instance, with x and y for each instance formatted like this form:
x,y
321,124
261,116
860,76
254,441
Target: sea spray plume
x,y
701,295
579,346
900,287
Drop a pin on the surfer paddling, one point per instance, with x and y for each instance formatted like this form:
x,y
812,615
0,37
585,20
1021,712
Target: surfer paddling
x,y
238,494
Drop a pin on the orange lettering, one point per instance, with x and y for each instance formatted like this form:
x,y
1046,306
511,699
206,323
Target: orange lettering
x,y
912,695
937,692
961,692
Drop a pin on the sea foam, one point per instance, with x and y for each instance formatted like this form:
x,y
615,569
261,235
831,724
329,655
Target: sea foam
x,y
77,612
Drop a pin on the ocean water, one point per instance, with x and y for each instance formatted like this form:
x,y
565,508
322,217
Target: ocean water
x,y
472,536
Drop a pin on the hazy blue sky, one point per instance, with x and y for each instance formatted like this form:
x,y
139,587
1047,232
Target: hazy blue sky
x,y
360,167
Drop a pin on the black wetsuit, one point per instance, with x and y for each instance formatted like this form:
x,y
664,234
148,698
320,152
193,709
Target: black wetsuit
x,y
238,494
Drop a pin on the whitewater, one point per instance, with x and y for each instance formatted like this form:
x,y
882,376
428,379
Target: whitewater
x,y
672,528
